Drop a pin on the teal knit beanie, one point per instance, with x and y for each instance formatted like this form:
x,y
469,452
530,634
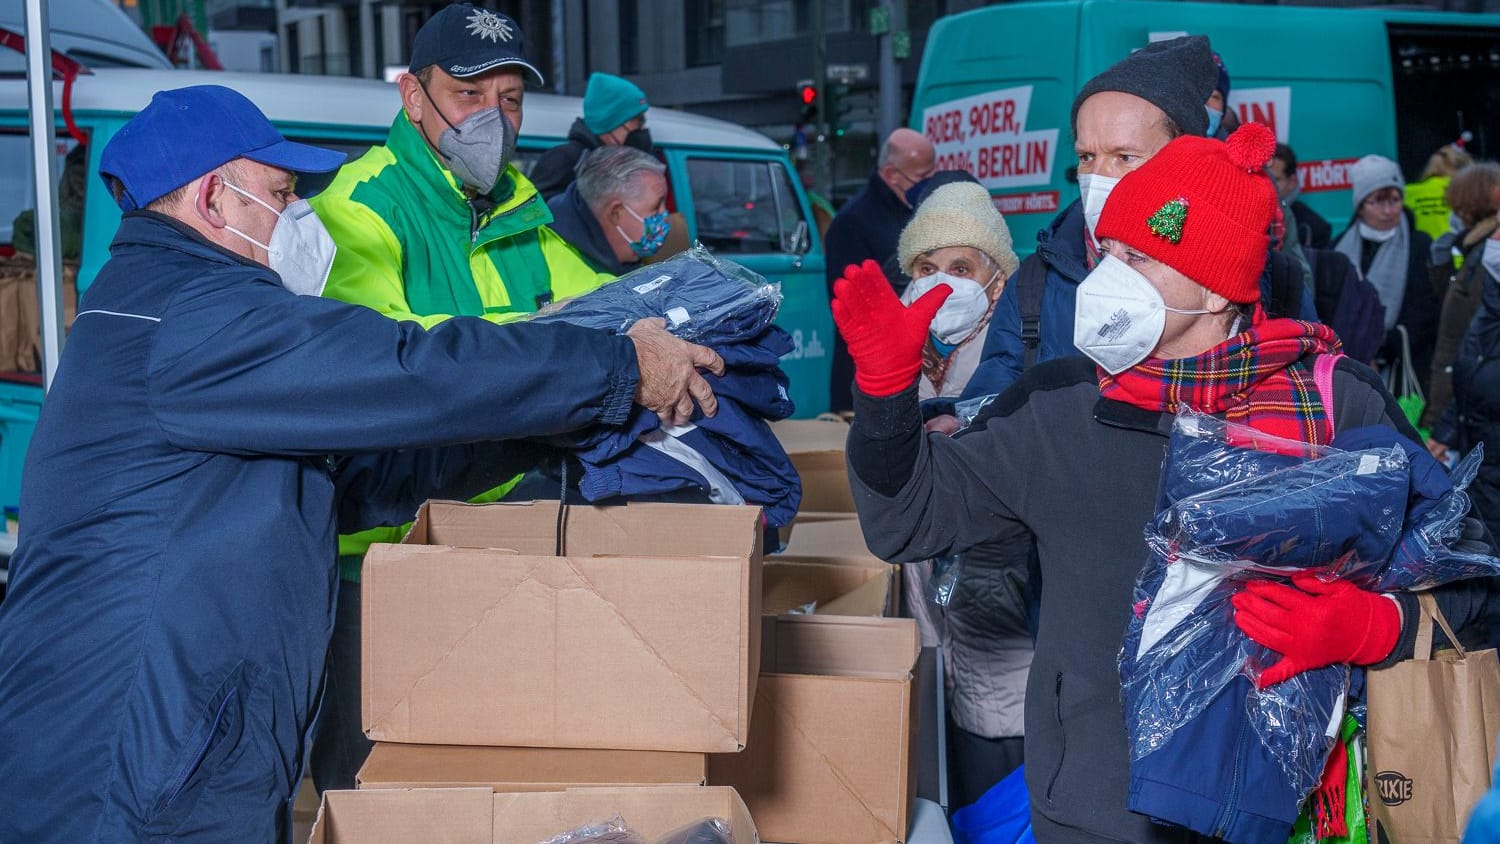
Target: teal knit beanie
x,y
609,101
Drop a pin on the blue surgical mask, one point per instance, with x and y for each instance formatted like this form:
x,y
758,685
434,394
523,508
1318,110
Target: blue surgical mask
x,y
1214,116
653,233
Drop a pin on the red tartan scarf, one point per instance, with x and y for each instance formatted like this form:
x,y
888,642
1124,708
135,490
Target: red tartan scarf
x,y
1262,377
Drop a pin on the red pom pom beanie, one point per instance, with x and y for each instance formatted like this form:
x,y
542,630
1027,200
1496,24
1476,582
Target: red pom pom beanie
x,y
1202,207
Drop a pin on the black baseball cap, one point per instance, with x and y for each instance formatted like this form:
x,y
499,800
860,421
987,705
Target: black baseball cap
x,y
464,40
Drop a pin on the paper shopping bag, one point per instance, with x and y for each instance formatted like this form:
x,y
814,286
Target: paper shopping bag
x,y
1433,721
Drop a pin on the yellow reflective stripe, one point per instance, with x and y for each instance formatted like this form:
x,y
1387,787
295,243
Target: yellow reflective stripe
x,y
571,275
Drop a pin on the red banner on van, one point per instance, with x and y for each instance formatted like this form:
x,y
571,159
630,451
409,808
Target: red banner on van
x,y
1329,174
1036,202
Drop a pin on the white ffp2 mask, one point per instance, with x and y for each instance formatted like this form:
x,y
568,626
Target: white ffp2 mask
x,y
961,312
1094,190
1120,315
301,249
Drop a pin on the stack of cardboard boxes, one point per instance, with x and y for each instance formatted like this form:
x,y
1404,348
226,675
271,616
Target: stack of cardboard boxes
x,y
831,751
527,671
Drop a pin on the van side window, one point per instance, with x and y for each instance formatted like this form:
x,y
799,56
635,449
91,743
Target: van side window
x,y
18,183
744,205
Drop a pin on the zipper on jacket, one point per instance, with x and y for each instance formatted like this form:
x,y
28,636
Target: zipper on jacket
x,y
197,758
475,227
1231,802
1062,751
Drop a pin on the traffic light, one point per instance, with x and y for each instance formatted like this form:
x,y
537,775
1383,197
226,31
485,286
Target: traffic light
x,y
837,103
808,92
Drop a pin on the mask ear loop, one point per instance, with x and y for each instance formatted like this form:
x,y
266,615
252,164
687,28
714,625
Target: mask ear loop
x,y
433,103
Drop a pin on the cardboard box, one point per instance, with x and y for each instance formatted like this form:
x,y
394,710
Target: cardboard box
x,y
510,769
644,637
857,586
816,447
832,744
481,816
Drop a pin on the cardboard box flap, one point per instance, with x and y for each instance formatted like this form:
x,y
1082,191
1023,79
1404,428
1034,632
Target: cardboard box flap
x,y
826,538
811,436
446,636
524,768
651,812
432,816
840,646
816,448
531,528
834,589
481,816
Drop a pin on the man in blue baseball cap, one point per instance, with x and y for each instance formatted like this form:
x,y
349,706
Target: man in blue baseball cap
x,y
208,435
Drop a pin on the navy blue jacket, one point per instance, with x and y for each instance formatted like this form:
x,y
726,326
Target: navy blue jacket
x,y
207,437
574,221
867,227
1061,248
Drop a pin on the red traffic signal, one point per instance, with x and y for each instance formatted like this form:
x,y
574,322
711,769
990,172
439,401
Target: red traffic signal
x,y
809,94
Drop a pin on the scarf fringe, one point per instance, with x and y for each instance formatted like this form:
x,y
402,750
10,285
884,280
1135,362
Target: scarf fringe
x,y
1329,800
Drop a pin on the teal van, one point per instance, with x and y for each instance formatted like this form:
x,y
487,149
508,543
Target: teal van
x,y
996,85
735,188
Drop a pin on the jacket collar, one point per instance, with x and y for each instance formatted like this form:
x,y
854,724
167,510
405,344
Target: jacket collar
x,y
1118,414
521,211
575,222
882,193
579,132
1061,244
150,228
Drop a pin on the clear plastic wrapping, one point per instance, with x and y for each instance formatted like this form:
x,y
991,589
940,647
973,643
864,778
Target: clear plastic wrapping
x,y
946,572
1240,505
615,831
610,831
968,410
704,299
704,831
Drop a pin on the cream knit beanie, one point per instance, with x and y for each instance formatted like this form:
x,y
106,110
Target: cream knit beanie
x,y
958,214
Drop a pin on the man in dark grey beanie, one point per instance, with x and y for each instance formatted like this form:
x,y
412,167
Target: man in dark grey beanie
x,y
1176,76
1121,118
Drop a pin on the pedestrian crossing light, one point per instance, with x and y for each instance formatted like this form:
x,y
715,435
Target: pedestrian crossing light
x,y
809,94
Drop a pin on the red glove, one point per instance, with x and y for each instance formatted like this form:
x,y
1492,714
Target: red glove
x,y
1318,623
885,337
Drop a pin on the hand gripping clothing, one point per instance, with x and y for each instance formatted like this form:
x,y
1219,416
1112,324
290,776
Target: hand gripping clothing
x,y
733,456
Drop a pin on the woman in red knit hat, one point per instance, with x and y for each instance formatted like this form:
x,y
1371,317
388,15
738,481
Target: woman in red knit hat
x,y
1073,451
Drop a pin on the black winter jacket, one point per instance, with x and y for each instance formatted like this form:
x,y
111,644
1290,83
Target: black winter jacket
x,y
1081,472
558,167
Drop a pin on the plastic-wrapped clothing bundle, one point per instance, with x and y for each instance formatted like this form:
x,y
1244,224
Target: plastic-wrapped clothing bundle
x,y
732,456
612,831
1208,750
704,299
706,831
616,831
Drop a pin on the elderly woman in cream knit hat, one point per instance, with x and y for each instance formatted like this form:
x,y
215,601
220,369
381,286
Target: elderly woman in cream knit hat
x,y
957,238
